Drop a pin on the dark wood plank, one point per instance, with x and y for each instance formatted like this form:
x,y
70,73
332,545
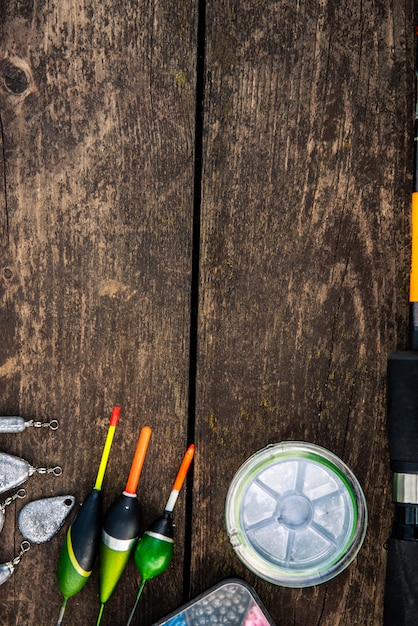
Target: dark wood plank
x,y
97,119
304,264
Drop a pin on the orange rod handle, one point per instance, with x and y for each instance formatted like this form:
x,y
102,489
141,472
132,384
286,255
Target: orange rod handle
x,y
138,461
413,285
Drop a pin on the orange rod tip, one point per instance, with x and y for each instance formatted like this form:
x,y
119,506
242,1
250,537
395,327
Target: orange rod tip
x,y
190,452
184,468
138,460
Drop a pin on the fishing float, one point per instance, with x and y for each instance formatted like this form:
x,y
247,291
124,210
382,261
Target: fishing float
x,y
82,543
121,527
154,551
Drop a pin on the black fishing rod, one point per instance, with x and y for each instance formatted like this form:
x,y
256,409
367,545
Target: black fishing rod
x,y
401,590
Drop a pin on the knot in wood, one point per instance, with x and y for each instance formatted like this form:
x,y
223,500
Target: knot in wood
x,y
8,273
14,78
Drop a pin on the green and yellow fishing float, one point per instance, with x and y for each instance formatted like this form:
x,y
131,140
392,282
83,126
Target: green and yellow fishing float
x,y
154,551
83,537
121,527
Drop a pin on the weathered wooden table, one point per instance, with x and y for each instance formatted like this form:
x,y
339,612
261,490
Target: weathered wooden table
x,y
205,219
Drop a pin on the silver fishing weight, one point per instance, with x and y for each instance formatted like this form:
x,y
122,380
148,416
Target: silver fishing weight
x,y
19,494
7,569
40,520
17,424
14,471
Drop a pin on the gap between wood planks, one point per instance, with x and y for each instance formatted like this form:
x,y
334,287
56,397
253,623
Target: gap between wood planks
x,y
194,297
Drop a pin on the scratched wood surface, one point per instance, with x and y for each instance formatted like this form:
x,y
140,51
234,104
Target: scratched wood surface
x,y
97,114
304,264
303,252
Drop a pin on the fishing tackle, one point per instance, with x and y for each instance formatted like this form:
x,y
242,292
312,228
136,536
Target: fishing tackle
x,y
14,471
40,520
17,424
121,527
19,494
154,551
7,569
81,547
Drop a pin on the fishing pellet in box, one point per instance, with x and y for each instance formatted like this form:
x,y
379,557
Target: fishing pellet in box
x,y
231,602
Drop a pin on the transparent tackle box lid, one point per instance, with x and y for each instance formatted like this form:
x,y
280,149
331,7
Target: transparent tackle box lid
x,y
295,514
232,602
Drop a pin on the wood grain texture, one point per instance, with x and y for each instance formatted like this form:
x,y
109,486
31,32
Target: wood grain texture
x,y
97,120
304,264
304,258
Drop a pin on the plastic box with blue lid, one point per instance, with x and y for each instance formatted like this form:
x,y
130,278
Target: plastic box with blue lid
x,y
231,602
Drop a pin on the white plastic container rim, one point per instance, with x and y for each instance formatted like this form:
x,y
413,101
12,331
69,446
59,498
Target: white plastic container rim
x,y
295,514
